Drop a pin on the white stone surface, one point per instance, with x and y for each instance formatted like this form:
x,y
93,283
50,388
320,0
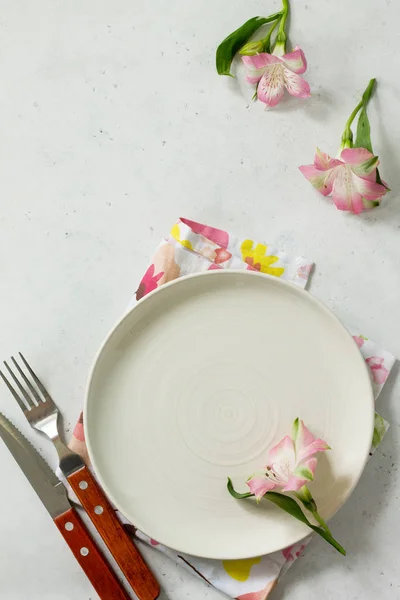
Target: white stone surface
x,y
113,123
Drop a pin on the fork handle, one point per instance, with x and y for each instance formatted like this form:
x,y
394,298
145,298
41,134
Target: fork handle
x,y
121,546
88,555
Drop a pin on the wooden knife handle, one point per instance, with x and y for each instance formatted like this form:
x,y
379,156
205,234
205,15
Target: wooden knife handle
x,y
88,555
121,546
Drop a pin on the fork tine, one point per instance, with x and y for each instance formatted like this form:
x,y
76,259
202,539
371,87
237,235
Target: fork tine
x,y
14,393
46,395
28,383
23,391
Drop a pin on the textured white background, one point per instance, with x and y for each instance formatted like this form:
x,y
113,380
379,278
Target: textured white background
x,y
113,123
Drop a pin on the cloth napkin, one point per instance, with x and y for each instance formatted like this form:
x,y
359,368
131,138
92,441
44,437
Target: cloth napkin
x,y
192,247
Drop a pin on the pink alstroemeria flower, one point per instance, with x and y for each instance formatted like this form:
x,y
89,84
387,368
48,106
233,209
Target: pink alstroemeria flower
x,y
351,179
274,73
291,463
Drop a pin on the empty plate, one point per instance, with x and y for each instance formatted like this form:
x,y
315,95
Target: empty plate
x,y
197,382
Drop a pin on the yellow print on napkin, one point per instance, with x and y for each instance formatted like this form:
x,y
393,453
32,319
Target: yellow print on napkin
x,y
240,569
176,234
259,259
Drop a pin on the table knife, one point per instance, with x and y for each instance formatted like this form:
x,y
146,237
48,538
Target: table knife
x,y
53,495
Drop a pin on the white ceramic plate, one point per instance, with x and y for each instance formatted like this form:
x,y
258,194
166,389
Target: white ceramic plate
x,y
197,382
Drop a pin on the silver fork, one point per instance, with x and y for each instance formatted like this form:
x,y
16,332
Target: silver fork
x,y
43,415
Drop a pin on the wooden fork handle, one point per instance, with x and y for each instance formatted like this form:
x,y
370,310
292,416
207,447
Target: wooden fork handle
x,y
95,566
121,546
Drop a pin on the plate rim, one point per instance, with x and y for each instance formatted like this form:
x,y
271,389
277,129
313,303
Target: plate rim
x,y
218,273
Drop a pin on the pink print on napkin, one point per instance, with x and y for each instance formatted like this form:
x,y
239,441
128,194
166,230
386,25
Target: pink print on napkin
x,y
218,236
378,370
149,282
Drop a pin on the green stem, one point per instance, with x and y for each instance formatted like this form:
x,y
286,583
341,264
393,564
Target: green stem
x,y
236,494
267,39
285,14
321,521
305,497
347,136
274,17
282,37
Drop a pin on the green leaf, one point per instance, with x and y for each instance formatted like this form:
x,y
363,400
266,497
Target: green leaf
x,y
292,508
236,494
232,44
363,136
288,505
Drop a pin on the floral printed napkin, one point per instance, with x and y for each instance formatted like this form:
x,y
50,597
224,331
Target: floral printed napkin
x,y
190,248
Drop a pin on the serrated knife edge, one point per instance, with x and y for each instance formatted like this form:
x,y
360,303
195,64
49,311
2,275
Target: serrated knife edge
x,y
48,487
29,447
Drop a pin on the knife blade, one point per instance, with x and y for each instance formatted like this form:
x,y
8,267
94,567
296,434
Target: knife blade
x,y
44,481
53,495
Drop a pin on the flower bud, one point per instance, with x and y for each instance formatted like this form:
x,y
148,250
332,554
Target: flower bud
x,y
252,48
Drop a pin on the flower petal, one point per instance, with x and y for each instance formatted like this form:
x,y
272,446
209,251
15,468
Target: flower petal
x,y
363,163
345,194
296,85
368,188
306,469
302,437
303,474
271,87
323,161
259,485
295,61
319,179
355,156
306,445
308,452
256,65
283,452
294,484
260,61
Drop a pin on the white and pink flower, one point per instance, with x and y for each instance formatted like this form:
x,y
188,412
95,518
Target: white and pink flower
x,y
274,73
291,463
350,179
